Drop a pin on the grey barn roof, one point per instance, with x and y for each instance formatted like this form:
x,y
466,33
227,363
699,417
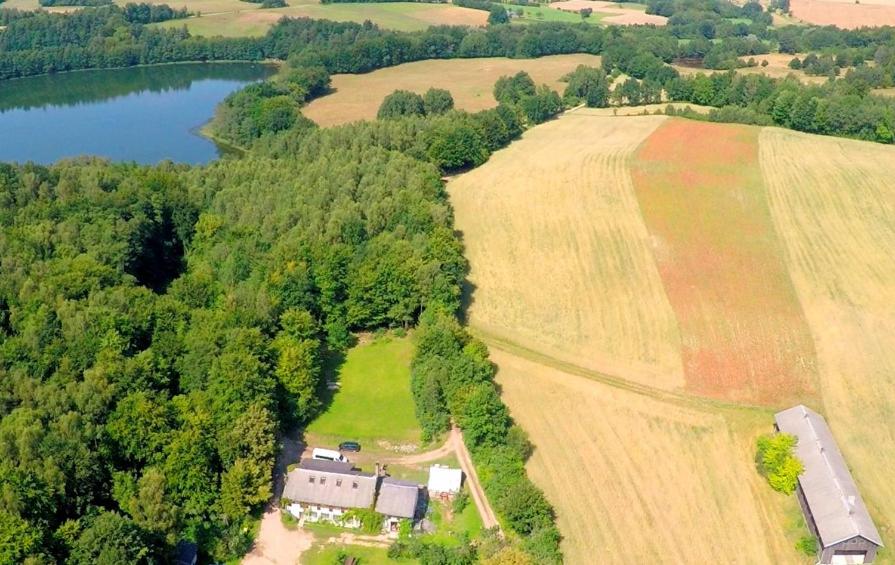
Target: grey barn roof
x,y
830,492
397,498
334,484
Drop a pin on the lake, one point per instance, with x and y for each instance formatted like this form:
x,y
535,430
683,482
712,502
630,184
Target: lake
x,y
142,114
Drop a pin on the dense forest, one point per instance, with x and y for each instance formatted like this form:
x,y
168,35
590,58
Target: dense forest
x,y
160,326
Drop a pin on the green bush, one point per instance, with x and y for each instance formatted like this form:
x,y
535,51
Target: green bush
x,y
461,501
776,462
807,545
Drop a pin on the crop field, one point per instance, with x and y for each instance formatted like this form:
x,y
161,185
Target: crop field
x,y
847,14
373,402
545,274
357,97
234,18
777,67
742,331
611,12
637,479
833,202
652,302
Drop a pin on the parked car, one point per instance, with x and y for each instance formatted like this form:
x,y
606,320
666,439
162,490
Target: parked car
x,y
327,455
349,446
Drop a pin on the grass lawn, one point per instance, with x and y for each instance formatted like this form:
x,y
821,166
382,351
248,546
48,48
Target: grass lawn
x,y
420,473
374,403
449,528
330,553
532,14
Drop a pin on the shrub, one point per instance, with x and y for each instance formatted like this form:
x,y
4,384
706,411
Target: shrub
x,y
461,501
401,103
775,461
807,546
437,101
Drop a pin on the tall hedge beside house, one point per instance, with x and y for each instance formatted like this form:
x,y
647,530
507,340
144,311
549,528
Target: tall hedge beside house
x,y
456,367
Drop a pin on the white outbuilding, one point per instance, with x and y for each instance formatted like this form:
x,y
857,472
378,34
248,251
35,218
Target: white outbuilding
x,y
444,481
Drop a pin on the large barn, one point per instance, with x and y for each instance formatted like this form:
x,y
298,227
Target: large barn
x,y
827,493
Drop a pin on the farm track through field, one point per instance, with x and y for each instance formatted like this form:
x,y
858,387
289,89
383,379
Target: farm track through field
x,y
633,476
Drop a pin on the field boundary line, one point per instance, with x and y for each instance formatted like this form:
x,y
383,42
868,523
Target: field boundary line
x,y
682,399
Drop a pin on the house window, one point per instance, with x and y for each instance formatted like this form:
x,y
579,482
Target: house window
x,y
322,480
338,482
354,484
311,480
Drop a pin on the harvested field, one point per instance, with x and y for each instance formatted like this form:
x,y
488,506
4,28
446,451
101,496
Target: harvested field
x,y
640,110
833,203
611,12
636,479
233,18
357,97
845,14
777,67
560,256
743,334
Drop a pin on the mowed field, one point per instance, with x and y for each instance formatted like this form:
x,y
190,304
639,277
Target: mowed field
x,y
373,404
833,202
470,81
652,290
234,18
638,479
847,14
543,268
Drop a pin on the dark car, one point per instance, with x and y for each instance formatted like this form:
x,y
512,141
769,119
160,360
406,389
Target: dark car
x,y
349,446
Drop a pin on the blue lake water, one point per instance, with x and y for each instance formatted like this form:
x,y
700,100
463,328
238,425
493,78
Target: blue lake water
x,y
145,114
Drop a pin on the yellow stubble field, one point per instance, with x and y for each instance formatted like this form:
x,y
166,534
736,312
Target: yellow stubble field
x,y
560,257
833,202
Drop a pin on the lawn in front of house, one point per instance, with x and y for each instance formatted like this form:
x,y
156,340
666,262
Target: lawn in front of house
x,y
373,404
327,554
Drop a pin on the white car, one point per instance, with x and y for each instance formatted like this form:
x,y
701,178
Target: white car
x,y
328,455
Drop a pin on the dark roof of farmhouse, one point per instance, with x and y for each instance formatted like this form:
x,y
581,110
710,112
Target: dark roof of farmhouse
x,y
397,498
330,483
829,489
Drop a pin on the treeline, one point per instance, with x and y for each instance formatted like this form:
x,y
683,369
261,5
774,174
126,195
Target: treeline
x,y
42,42
452,377
79,3
144,13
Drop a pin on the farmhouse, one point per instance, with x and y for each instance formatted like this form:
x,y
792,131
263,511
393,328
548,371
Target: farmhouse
x,y
398,500
327,490
827,493
444,481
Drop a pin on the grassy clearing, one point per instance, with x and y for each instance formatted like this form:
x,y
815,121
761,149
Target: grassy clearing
x,y
449,526
833,203
744,336
374,403
471,81
560,257
536,14
233,18
636,479
329,553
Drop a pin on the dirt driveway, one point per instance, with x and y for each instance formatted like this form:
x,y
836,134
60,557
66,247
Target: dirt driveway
x,y
276,544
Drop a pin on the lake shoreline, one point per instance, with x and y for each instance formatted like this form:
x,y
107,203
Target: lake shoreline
x,y
278,63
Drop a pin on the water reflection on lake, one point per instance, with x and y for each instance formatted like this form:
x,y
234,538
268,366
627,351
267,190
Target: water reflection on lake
x,y
143,114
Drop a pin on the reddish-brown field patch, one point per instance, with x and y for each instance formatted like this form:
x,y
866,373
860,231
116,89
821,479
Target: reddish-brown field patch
x,y
744,336
847,15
